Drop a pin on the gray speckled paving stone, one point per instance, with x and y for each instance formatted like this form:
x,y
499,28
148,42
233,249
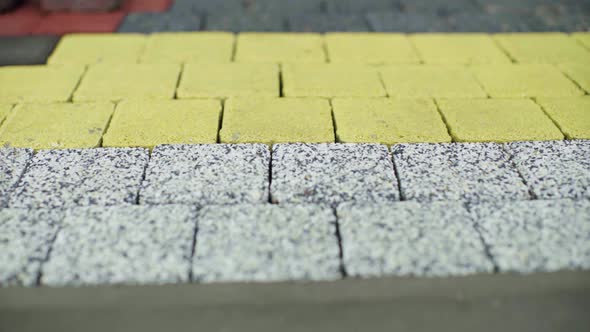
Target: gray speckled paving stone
x,y
25,239
407,22
358,6
76,177
554,169
327,23
122,245
496,22
469,172
26,50
160,22
207,6
410,238
245,22
266,243
12,165
532,236
332,173
207,174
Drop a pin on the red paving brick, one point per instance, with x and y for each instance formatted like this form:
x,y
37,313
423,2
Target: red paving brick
x,y
147,5
20,22
62,23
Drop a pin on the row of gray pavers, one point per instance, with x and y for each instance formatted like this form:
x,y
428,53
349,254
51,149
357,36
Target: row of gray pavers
x,y
295,173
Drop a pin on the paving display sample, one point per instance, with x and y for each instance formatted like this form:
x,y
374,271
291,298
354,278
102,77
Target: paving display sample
x,y
12,165
569,114
437,48
189,47
86,49
279,48
373,48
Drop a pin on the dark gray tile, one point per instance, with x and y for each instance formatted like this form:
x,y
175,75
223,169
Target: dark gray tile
x,y
358,6
245,22
28,50
496,22
438,7
208,6
407,22
327,23
161,22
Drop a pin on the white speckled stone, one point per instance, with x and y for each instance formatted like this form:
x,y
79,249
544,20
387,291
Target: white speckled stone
x,y
207,174
332,173
122,245
410,238
25,239
12,166
266,243
79,177
531,236
554,169
469,172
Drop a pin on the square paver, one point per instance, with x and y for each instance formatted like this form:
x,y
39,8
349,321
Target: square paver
x,y
266,243
471,172
537,236
430,81
542,48
38,83
189,47
388,121
161,22
119,81
79,177
86,49
245,21
410,239
496,21
12,165
557,169
571,115
25,240
332,173
497,120
370,48
331,80
137,245
56,126
354,6
26,50
579,73
147,124
280,47
207,174
307,22
582,38
229,80
458,49
277,120
396,21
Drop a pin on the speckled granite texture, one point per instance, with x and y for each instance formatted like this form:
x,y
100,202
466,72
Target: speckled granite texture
x,y
12,166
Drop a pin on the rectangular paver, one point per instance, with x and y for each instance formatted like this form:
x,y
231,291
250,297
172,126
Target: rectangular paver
x,y
458,49
189,47
161,22
582,38
266,243
5,109
280,47
579,73
322,22
370,48
397,21
542,48
245,21
571,115
86,49
12,166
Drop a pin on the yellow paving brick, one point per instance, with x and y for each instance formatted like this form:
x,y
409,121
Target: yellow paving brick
x,y
542,48
583,38
572,115
117,82
521,81
579,73
331,80
38,83
229,80
98,48
370,48
151,123
497,120
465,48
56,126
4,111
277,120
280,47
189,47
430,81
388,121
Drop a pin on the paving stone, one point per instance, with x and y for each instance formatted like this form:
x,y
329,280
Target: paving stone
x,y
383,21
79,177
12,165
207,6
437,7
56,126
537,236
189,47
5,109
332,173
354,6
558,16
582,38
29,50
280,47
161,22
465,49
542,48
143,6
62,23
266,243
79,5
25,240
557,169
497,120
327,22
283,7
86,49
502,21
579,73
569,114
370,48
242,21
457,172
207,174
410,239
20,22
137,245
38,83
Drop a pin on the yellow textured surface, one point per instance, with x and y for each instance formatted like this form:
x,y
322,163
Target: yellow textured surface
x,y
583,38
497,120
189,47
4,110
117,82
151,123
542,48
425,81
465,48
331,80
280,47
370,48
388,121
56,126
229,80
98,48
277,120
38,83
517,81
579,73
572,115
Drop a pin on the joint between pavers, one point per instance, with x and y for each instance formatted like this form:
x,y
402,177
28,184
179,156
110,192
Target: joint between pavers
x,y
444,120
534,99
193,247
39,278
343,271
532,195
402,196
486,246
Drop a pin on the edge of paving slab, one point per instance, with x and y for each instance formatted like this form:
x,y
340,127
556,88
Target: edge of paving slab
x,y
536,302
